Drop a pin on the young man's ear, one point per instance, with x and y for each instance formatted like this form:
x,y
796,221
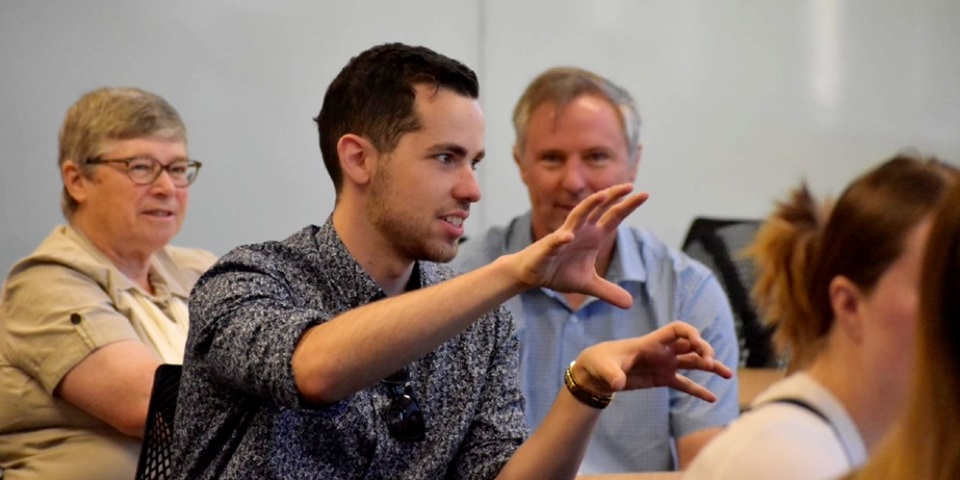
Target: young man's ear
x,y
846,299
357,158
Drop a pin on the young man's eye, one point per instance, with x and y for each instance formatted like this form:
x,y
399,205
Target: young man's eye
x,y
444,157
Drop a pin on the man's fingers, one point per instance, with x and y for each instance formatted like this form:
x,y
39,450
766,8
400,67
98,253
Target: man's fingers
x,y
558,239
579,215
604,208
693,361
609,292
680,336
720,369
614,195
684,384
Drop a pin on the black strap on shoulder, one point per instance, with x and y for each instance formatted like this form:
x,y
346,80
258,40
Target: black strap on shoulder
x,y
799,402
804,405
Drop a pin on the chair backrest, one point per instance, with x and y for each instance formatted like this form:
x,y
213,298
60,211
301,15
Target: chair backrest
x,y
718,244
156,455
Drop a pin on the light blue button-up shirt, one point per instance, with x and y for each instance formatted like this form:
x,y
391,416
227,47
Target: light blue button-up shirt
x,y
637,431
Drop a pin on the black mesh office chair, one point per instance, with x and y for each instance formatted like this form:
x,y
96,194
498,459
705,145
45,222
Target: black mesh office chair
x,y
718,244
156,455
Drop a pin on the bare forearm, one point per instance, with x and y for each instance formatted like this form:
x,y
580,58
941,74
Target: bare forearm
x,y
557,447
113,384
364,345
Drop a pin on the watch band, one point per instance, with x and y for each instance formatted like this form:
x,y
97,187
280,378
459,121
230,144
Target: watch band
x,y
583,394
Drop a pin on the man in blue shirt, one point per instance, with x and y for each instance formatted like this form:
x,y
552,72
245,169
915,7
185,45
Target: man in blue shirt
x,y
577,133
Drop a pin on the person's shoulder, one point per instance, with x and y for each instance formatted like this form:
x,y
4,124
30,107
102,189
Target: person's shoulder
x,y
182,266
62,244
768,411
654,251
753,446
190,258
64,248
266,256
296,244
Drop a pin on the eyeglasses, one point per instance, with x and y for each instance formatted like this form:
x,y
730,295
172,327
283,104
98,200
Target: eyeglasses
x,y
146,170
403,416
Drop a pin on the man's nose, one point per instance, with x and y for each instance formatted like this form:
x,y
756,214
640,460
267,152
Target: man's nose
x,y
574,179
163,183
467,187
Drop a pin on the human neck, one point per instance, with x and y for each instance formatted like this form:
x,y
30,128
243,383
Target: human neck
x,y
372,253
133,263
873,411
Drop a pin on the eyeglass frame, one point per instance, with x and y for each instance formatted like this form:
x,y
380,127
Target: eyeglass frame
x,y
156,167
403,416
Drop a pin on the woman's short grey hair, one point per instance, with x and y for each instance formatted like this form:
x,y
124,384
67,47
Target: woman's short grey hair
x,y
111,114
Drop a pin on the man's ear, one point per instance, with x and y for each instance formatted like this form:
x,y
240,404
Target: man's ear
x,y
518,159
846,300
74,181
635,162
356,156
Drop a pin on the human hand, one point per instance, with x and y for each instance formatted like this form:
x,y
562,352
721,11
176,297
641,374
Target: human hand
x,y
652,360
565,260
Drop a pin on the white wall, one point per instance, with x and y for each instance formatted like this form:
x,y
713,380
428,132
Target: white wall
x,y
246,76
740,99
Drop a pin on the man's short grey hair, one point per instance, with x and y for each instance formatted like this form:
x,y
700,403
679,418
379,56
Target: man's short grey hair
x,y
561,85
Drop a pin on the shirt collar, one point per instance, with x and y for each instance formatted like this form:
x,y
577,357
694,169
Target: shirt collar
x,y
627,261
159,274
355,286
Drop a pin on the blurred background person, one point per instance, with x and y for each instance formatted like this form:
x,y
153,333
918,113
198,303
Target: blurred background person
x,y
89,315
578,133
923,444
841,286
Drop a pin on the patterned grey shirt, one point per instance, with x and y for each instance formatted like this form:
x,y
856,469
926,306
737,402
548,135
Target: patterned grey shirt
x,y
240,415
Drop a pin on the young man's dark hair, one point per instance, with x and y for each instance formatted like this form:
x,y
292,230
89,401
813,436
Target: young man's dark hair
x,y
373,96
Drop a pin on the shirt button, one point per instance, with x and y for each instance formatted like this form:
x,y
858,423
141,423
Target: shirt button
x,y
75,318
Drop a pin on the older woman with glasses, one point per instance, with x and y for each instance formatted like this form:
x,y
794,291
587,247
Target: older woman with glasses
x,y
87,317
